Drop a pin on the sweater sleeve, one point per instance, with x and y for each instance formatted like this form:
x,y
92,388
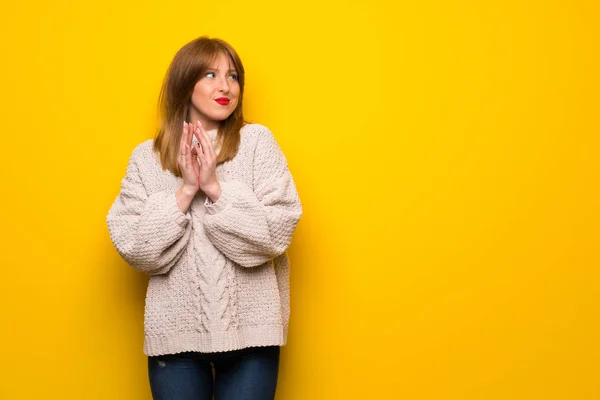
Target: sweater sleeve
x,y
149,232
252,226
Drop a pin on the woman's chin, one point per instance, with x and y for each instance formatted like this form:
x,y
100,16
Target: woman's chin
x,y
218,118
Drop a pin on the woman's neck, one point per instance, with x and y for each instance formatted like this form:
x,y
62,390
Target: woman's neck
x,y
208,125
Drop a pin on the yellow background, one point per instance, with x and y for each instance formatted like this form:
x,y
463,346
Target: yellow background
x,y
447,158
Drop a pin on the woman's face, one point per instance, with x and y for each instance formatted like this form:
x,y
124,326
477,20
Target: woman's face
x,y
216,94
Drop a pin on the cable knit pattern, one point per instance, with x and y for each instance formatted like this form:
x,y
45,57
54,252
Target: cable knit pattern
x,y
219,273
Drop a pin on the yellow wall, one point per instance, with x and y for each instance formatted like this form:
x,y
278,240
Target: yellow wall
x,y
447,157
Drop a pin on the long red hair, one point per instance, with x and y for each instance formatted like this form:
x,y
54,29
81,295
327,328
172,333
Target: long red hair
x,y
189,64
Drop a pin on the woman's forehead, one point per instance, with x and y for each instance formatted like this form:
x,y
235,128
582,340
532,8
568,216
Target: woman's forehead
x,y
222,60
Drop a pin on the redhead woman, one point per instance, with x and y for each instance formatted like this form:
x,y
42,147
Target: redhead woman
x,y
208,209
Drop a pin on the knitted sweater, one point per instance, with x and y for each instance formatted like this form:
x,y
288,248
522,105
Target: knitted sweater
x,y
219,274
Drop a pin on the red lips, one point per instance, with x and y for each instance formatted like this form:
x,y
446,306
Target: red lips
x,y
222,101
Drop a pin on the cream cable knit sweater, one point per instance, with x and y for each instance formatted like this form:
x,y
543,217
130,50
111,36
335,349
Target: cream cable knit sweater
x,y
219,273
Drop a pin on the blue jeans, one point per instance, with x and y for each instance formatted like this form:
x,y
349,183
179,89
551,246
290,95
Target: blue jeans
x,y
248,374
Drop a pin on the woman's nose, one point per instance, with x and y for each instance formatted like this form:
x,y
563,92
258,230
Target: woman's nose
x,y
223,85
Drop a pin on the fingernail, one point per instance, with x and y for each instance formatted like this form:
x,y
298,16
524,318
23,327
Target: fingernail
x,y
199,123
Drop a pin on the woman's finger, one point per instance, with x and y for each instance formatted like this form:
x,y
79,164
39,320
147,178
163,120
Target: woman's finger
x,y
195,149
211,147
202,138
186,153
181,156
198,142
189,156
186,157
182,141
210,150
200,146
198,153
190,134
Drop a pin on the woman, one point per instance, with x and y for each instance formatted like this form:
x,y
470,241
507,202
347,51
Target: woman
x,y
208,209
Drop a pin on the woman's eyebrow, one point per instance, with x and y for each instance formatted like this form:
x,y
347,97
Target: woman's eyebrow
x,y
230,70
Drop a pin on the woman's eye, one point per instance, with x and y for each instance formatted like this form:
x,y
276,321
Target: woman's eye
x,y
213,75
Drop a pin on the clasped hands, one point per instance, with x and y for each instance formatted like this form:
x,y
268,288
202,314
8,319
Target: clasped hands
x,y
198,162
